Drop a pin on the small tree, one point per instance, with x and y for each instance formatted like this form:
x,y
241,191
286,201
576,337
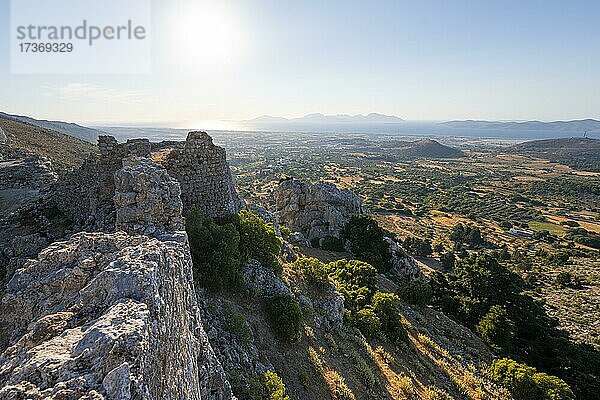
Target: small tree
x,y
259,241
416,292
215,252
285,316
525,383
418,247
313,271
496,329
385,307
332,243
356,280
366,241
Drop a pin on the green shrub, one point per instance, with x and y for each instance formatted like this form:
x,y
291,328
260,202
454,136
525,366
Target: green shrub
x,y
447,260
470,236
496,329
274,387
368,322
339,389
525,383
285,316
332,243
356,280
215,252
259,241
285,232
313,271
385,307
366,241
417,246
367,376
416,292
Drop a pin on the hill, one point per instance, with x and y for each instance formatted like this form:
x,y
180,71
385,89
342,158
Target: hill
x,y
428,148
583,125
424,148
64,150
578,153
68,128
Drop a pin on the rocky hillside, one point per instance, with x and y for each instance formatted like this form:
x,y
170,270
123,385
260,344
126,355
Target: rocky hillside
x,y
112,290
112,315
86,134
424,148
63,150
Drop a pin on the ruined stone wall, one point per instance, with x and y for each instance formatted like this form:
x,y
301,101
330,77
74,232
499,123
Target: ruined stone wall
x,y
112,315
201,169
86,195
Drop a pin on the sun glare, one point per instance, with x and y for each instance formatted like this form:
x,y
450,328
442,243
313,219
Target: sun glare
x,y
206,35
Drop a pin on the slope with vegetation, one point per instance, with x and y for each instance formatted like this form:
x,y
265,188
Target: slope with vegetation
x,y
65,151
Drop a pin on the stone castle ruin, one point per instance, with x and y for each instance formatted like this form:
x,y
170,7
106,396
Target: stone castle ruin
x,y
86,195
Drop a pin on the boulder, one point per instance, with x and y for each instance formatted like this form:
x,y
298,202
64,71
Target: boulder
x,y
262,281
404,266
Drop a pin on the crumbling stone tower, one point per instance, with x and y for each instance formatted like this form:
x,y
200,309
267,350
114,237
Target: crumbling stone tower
x,y
201,169
86,195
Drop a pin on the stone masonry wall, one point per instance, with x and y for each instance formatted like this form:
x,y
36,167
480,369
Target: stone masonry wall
x,y
85,195
201,169
112,315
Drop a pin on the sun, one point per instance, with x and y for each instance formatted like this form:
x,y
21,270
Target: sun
x,y
206,35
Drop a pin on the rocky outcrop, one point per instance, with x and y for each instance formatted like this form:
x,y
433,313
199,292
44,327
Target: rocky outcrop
x,y
3,137
404,267
262,281
31,172
315,210
147,198
328,308
112,315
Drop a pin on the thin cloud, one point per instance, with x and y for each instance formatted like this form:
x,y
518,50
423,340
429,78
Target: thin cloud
x,y
89,93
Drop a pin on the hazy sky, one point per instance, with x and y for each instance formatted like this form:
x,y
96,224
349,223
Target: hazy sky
x,y
237,59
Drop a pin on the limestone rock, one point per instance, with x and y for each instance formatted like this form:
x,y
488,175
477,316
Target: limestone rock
x,y
107,316
315,210
329,309
263,281
403,265
3,137
147,199
31,172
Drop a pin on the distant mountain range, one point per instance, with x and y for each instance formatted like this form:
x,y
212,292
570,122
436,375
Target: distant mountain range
x,y
318,118
582,125
81,132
